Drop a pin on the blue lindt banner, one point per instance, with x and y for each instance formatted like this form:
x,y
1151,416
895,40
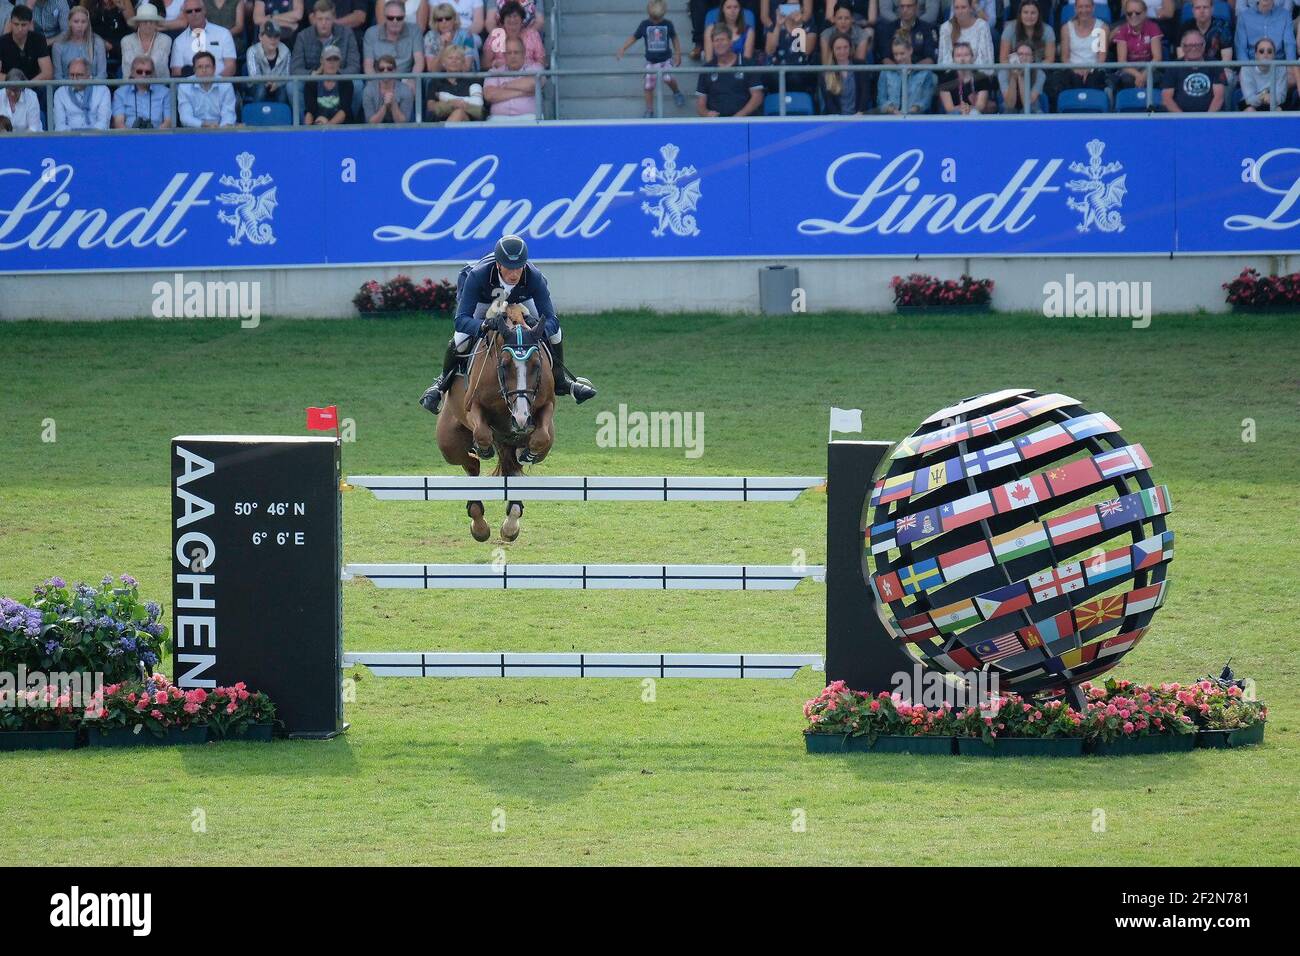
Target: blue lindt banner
x,y
1095,186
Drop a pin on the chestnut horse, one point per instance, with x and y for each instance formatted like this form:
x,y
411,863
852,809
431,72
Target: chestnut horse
x,y
503,405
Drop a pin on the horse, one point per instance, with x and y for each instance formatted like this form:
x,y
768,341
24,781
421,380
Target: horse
x,y
504,407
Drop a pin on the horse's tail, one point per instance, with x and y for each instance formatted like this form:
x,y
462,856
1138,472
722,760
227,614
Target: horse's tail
x,y
507,462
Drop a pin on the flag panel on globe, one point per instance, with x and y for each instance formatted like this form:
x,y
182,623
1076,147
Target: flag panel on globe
x,y
1074,525
882,537
1072,476
1043,441
1155,501
1030,637
953,617
917,577
968,510
1004,600
1098,612
966,561
990,459
1086,426
997,648
1120,643
888,587
917,628
1108,566
1053,582
936,475
894,488
1020,493
1119,511
916,527
1148,552
1056,627
959,659
1145,599
1121,461
1018,542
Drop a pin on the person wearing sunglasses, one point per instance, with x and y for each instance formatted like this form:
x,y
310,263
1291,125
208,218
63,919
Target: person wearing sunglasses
x,y
78,106
447,29
1137,40
397,38
144,104
385,100
201,36
418,13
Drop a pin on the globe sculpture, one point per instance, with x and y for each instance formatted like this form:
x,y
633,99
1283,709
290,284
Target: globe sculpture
x,y
1021,534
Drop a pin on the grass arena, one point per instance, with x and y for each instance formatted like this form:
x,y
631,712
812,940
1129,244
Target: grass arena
x,y
629,771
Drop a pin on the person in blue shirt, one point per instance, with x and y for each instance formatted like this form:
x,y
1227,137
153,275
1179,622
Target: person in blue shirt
x,y
143,104
504,274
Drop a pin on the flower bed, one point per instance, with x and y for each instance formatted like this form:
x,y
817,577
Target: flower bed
x,y
1119,717
105,630
1252,292
922,292
400,295
161,709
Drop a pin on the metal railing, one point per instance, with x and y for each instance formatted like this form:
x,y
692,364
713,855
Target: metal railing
x,y
295,82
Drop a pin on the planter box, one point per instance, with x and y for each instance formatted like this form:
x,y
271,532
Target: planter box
x,y
38,739
1154,744
253,733
1244,737
1021,747
126,737
841,743
944,309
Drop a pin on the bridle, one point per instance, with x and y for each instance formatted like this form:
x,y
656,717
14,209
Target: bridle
x,y
523,348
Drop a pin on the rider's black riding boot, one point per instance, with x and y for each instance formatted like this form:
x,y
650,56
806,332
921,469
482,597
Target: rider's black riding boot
x,y
432,397
566,383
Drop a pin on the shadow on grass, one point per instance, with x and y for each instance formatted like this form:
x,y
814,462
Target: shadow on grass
x,y
530,770
283,758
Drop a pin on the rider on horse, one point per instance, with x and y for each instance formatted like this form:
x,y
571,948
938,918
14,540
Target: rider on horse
x,y
506,276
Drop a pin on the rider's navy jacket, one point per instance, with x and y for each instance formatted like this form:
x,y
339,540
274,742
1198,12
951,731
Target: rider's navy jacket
x,y
482,279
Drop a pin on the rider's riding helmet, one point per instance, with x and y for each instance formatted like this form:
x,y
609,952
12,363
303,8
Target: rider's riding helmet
x,y
511,252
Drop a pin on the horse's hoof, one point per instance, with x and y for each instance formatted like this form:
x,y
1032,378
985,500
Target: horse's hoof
x,y
478,527
485,454
510,527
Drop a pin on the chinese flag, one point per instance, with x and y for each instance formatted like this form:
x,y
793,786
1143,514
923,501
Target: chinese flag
x,y
323,419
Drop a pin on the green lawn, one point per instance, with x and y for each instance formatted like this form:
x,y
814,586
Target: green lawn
x,y
707,771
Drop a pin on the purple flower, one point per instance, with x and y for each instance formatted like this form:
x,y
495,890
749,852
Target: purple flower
x,y
127,644
129,581
154,630
56,582
107,582
153,609
149,658
51,647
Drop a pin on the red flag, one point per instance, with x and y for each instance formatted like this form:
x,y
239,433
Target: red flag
x,y
323,419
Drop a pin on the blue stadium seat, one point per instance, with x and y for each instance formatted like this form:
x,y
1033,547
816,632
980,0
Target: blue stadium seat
x,y
1102,12
1222,11
1133,100
1083,101
796,104
267,114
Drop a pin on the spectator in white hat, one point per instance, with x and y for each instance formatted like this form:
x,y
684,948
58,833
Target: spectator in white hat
x,y
147,40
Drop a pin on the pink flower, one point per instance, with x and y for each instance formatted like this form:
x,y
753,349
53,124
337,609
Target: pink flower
x,y
875,706
156,714
1128,726
231,707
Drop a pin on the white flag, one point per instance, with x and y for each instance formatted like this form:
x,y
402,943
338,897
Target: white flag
x,y
845,420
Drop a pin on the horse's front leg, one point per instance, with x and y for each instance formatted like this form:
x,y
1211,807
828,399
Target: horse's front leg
x,y
543,436
476,423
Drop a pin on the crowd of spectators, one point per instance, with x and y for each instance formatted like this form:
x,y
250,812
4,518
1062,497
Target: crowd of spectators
x,y
1109,46
281,44
293,47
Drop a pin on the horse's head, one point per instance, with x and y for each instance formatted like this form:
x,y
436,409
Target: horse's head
x,y
520,368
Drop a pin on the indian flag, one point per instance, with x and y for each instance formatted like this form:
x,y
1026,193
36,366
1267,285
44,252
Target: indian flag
x,y
1022,541
954,617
